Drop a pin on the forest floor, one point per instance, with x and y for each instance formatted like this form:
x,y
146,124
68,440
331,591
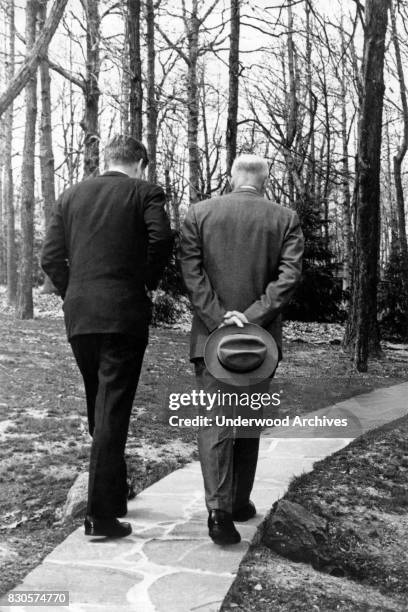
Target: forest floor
x,y
43,429
361,491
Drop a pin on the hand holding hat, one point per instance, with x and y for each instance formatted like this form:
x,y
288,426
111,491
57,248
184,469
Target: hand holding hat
x,y
241,354
234,317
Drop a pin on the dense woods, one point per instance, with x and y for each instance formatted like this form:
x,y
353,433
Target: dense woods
x,y
318,88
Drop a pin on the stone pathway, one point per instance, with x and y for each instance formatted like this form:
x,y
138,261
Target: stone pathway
x,y
169,564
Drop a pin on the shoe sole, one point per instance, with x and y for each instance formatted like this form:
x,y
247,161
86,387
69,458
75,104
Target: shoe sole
x,y
98,534
222,542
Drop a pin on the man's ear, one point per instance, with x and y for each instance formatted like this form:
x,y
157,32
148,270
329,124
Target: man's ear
x,y
140,169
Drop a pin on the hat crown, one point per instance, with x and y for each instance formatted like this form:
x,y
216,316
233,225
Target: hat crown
x,y
241,356
241,352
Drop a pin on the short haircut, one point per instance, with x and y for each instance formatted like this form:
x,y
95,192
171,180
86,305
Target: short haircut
x,y
125,150
251,165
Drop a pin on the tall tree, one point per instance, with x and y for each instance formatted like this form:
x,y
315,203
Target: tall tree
x,y
90,121
151,92
401,152
392,226
125,75
362,329
3,218
3,212
192,24
8,186
346,204
233,69
46,150
135,67
311,165
292,117
29,66
24,309
211,142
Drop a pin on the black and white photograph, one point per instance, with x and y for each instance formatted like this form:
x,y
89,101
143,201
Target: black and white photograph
x,y
203,305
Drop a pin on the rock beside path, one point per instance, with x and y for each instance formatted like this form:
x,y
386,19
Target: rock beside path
x,y
76,501
294,532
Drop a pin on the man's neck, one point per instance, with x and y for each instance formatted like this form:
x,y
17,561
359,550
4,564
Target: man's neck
x,y
118,169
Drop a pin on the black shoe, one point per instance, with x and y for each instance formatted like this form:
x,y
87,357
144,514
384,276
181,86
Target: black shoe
x,y
244,513
221,529
110,528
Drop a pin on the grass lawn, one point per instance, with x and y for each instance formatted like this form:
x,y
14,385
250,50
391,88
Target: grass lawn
x,y
43,428
362,493
45,441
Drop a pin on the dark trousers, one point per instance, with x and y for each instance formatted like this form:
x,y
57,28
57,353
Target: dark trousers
x,y
228,458
110,365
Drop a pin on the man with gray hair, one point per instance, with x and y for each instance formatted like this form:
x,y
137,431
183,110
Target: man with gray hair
x,y
105,250
241,260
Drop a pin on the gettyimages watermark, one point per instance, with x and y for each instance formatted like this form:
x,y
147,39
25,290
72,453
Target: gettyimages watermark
x,y
208,400
247,413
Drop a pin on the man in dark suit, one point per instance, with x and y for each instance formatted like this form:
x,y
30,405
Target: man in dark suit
x,y
105,250
241,260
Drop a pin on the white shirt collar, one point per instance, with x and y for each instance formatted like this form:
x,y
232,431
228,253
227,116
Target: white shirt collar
x,y
248,187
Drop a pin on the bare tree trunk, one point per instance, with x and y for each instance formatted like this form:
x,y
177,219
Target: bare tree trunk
x,y
30,64
90,122
135,66
390,192
3,208
8,186
346,207
362,328
387,205
3,216
292,98
69,130
151,93
328,161
171,200
125,76
25,308
233,67
176,213
46,152
193,25
311,172
295,182
402,149
168,190
206,189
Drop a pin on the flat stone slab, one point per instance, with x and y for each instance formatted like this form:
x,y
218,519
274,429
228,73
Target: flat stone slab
x,y
362,413
179,593
78,579
169,564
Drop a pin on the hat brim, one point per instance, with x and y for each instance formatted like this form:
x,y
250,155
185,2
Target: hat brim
x,y
240,379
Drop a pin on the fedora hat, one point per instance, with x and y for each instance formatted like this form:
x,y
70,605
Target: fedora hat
x,y
241,356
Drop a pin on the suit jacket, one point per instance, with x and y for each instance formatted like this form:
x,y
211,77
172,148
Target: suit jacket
x,y
239,252
109,239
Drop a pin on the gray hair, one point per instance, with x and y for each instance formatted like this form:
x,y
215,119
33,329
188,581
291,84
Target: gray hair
x,y
252,166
